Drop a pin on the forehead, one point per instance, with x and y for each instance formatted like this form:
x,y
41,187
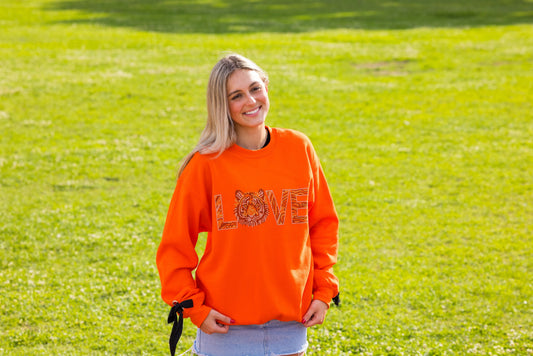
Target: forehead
x,y
241,79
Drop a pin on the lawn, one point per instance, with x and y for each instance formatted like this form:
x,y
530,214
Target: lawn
x,y
421,112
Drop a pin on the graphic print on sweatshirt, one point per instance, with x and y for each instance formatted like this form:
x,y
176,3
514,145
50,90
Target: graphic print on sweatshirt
x,y
253,208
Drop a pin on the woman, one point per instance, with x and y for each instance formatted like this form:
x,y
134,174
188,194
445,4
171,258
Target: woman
x,y
260,193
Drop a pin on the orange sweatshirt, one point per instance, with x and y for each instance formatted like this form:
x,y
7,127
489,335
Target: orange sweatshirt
x,y
272,233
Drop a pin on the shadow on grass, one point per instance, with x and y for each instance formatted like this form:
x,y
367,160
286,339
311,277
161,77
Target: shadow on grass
x,y
232,16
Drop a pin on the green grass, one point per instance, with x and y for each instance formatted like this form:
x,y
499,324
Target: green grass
x,y
420,111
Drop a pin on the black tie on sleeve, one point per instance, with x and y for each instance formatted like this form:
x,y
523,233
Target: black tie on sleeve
x,y
177,327
337,299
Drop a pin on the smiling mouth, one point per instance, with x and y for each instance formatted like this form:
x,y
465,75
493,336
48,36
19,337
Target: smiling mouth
x,y
254,111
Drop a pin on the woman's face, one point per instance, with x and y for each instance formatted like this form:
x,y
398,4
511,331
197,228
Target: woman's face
x,y
247,98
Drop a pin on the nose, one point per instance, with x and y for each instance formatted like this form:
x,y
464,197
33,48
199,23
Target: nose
x,y
250,99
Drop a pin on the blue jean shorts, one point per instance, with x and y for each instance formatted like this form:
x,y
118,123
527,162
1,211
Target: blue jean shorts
x,y
274,338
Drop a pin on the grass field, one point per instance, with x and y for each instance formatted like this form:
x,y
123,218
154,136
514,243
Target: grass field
x,y
421,112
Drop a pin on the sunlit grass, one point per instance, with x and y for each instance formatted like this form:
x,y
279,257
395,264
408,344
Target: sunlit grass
x,y
425,132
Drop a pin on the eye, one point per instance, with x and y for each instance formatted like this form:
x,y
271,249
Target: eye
x,y
257,88
236,96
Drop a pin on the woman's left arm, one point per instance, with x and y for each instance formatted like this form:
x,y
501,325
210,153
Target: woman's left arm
x,y
323,230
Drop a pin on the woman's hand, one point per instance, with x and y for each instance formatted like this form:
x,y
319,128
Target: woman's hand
x,y
315,314
214,323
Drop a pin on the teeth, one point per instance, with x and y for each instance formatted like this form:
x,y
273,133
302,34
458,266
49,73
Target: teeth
x,y
252,112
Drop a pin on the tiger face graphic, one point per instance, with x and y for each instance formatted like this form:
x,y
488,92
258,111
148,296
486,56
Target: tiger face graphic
x,y
251,208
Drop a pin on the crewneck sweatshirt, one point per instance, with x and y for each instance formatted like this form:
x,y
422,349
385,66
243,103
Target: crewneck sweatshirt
x,y
272,233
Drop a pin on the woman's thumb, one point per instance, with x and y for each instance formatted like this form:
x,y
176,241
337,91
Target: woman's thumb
x,y
307,316
223,319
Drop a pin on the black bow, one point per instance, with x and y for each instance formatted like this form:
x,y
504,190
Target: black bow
x,y
177,328
337,299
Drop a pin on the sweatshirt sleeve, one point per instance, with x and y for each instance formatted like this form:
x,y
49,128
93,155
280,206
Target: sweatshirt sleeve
x,y
188,215
323,229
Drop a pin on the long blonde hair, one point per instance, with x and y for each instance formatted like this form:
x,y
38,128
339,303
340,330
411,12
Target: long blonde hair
x,y
219,132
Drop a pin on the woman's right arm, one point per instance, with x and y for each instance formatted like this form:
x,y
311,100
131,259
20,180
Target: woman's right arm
x,y
188,215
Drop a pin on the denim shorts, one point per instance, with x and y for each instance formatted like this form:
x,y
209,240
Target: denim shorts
x,y
274,338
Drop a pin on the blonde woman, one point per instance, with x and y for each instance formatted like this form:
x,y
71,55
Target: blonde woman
x,y
266,274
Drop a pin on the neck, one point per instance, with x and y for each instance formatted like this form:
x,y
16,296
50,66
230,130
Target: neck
x,y
251,138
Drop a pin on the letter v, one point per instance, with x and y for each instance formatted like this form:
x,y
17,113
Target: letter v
x,y
278,211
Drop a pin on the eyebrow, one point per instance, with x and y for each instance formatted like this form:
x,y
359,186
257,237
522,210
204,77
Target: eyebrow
x,y
238,90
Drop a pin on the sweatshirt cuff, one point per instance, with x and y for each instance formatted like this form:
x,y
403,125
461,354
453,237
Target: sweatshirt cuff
x,y
199,314
324,295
